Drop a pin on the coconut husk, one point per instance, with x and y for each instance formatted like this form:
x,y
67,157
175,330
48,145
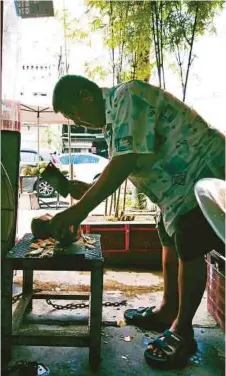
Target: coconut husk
x,y
41,229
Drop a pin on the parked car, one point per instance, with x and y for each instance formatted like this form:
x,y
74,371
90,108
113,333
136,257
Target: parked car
x,y
29,157
86,166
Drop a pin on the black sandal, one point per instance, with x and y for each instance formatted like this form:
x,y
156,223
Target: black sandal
x,y
143,317
176,351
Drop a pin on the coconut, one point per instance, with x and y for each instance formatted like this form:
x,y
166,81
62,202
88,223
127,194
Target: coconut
x,y
34,171
29,170
42,170
40,227
25,171
43,164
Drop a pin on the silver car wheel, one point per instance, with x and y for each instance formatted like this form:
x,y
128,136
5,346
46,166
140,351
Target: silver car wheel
x,y
45,189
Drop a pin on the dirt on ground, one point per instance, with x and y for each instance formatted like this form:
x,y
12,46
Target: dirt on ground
x,y
110,285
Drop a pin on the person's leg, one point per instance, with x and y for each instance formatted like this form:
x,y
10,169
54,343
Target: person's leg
x,y
193,238
168,309
192,283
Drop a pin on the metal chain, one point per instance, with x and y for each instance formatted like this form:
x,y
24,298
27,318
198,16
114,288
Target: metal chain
x,y
17,297
84,305
67,306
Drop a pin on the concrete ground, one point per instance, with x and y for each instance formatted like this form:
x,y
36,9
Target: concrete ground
x,y
126,358
118,355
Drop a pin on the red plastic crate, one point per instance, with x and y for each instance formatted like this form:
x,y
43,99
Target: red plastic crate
x,y
216,287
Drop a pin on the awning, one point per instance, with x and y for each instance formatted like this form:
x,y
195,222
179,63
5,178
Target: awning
x,y
30,114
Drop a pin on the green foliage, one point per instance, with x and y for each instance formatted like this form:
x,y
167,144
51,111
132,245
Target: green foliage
x,y
95,72
175,28
141,201
126,29
50,139
133,29
72,26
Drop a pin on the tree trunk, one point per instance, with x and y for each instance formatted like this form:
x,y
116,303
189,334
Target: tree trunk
x,y
190,52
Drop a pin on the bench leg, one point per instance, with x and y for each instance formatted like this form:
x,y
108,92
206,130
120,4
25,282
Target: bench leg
x,y
28,285
6,312
95,316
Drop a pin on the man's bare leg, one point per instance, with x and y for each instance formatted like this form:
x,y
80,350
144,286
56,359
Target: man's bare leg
x,y
168,309
192,283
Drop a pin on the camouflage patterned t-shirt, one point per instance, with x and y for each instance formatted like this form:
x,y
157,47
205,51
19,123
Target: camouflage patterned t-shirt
x,y
176,146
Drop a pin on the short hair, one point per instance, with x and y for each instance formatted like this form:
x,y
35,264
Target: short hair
x,y
67,90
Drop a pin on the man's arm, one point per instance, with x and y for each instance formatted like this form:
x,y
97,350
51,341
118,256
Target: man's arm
x,y
111,178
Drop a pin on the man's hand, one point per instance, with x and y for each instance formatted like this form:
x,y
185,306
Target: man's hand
x,y
78,188
61,223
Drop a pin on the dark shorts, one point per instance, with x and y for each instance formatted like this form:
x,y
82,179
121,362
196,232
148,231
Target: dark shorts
x,y
193,237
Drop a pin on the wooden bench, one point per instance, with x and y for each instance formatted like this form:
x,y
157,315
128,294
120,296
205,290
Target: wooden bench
x,y
13,330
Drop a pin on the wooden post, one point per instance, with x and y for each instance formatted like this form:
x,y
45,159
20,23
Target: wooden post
x,y
114,201
111,204
96,315
124,197
6,311
28,285
117,202
106,207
